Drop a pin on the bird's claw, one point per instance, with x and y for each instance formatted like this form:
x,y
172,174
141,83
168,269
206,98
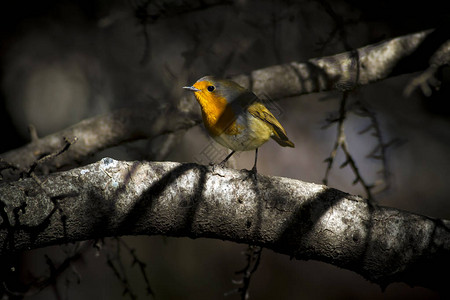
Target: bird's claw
x,y
252,174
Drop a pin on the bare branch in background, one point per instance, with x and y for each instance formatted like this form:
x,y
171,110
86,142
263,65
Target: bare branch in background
x,y
426,80
376,62
98,133
253,257
299,219
437,57
140,13
338,30
55,269
137,261
148,12
379,152
114,262
341,143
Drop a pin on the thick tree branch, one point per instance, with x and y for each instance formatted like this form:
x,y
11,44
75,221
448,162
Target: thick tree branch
x,y
372,63
302,220
98,133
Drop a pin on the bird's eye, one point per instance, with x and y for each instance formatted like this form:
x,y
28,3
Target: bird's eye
x,y
211,88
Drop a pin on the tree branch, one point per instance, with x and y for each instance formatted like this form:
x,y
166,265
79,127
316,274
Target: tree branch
x,y
302,220
372,63
100,132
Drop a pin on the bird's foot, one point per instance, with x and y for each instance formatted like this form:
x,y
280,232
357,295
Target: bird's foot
x,y
220,165
252,174
216,167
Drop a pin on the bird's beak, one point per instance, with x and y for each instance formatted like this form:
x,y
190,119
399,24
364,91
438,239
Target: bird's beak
x,y
191,88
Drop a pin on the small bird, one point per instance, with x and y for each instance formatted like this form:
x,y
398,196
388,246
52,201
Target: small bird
x,y
235,117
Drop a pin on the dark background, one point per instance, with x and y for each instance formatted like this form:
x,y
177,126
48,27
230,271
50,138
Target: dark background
x,y
64,61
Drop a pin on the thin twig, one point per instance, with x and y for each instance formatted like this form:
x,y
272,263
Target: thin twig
x,y
40,283
341,143
140,263
48,157
253,256
119,272
379,152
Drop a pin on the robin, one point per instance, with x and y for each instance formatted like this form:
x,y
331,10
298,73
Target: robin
x,y
235,117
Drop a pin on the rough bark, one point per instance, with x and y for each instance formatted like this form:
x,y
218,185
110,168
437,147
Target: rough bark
x,y
345,71
98,133
299,219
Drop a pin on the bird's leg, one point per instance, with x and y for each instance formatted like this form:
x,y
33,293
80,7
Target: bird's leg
x,y
256,159
226,158
253,171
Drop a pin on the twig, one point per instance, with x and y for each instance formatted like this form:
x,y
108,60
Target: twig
x,y
340,24
379,152
345,86
341,143
40,283
140,263
439,56
119,271
144,19
148,12
51,156
425,81
114,261
33,133
253,256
